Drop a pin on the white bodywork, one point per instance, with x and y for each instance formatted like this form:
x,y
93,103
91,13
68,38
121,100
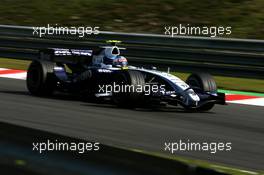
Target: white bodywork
x,y
179,86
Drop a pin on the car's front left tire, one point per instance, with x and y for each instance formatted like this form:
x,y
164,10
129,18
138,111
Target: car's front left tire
x,y
205,83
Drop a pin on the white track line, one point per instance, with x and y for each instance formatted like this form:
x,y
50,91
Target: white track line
x,y
254,101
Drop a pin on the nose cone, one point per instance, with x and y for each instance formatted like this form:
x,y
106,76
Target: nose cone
x,y
193,98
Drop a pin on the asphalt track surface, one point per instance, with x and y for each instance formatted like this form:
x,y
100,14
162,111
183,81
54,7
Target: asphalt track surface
x,y
143,129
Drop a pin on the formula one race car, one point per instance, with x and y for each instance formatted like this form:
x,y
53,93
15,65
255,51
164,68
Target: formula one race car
x,y
106,74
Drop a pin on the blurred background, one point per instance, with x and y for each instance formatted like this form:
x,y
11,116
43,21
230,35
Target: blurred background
x,y
246,17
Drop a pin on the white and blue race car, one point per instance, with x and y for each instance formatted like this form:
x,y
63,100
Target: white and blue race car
x,y
105,74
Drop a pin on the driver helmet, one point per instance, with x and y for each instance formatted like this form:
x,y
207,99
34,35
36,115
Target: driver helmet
x,y
116,61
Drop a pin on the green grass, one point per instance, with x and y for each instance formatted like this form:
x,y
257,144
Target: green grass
x,y
244,16
230,83
241,92
201,163
14,64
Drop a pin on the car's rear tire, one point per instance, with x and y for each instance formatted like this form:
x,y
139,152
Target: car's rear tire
x,y
129,99
40,78
204,82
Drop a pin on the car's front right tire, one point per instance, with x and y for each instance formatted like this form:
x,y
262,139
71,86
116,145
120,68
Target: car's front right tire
x,y
130,78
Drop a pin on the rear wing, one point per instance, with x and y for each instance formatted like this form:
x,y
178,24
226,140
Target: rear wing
x,y
61,55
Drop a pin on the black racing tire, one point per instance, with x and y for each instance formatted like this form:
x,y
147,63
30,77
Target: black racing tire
x,y
40,78
129,99
204,82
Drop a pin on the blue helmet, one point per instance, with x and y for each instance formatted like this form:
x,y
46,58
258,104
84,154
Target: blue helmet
x,y
116,61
